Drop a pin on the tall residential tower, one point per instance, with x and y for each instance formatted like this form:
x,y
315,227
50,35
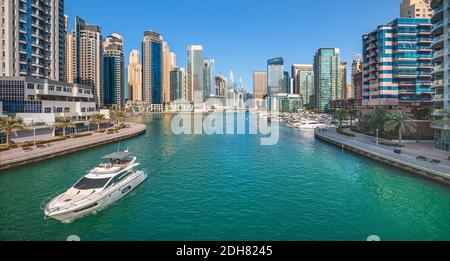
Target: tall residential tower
x,y
33,39
113,72
86,60
327,77
153,70
415,9
135,77
441,74
195,74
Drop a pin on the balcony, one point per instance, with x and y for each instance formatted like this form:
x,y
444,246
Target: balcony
x,y
437,83
438,54
438,40
438,69
440,97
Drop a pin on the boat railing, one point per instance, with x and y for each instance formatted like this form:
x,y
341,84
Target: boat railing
x,y
89,198
48,199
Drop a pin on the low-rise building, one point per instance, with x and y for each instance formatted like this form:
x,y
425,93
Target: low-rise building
x,y
40,100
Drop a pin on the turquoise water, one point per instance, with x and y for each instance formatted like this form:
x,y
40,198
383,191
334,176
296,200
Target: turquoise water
x,y
231,188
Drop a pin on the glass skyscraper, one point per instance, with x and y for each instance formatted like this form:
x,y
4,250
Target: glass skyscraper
x,y
177,83
152,68
327,78
275,76
195,74
208,77
113,72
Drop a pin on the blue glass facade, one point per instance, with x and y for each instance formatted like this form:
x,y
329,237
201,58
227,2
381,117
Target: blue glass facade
x,y
327,80
156,75
109,81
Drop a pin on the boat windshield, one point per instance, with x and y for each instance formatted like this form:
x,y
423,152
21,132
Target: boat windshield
x,y
87,183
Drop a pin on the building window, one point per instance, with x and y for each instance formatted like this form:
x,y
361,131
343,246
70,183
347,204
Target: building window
x,y
51,88
59,110
66,110
48,110
30,86
58,88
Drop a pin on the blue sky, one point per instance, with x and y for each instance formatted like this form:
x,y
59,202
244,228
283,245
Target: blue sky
x,y
241,34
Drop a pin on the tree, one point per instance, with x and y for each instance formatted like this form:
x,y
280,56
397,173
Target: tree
x,y
351,113
117,115
97,119
375,120
10,125
340,115
401,122
64,123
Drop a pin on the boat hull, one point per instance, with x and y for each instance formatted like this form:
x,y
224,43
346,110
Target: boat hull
x,y
100,202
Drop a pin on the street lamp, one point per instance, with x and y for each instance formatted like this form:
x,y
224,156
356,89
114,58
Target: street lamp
x,y
34,133
377,136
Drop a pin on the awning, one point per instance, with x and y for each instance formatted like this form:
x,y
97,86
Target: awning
x,y
117,155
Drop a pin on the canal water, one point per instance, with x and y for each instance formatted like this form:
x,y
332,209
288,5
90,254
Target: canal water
x,y
229,187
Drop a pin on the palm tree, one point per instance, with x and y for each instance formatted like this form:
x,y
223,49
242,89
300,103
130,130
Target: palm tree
x,y
64,123
340,115
10,125
375,119
351,114
400,121
97,119
117,115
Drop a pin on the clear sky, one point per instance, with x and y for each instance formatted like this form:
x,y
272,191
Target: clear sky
x,y
241,34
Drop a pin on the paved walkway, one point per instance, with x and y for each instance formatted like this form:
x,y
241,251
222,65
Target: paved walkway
x,y
365,143
412,148
19,156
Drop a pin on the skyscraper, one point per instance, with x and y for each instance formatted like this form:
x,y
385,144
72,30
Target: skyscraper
x,y
327,79
167,68
177,84
208,77
220,85
135,77
275,76
343,68
397,65
195,72
173,60
86,48
33,39
441,76
416,9
286,82
357,77
259,88
304,82
113,71
153,69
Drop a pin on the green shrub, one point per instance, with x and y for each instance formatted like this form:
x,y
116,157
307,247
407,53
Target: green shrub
x,y
5,147
343,132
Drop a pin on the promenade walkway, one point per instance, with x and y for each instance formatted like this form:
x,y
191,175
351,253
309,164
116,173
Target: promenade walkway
x,y
19,157
363,145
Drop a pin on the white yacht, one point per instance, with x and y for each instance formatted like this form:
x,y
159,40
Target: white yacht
x,y
311,125
99,188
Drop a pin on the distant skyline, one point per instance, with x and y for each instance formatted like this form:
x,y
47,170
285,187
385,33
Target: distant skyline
x,y
241,35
